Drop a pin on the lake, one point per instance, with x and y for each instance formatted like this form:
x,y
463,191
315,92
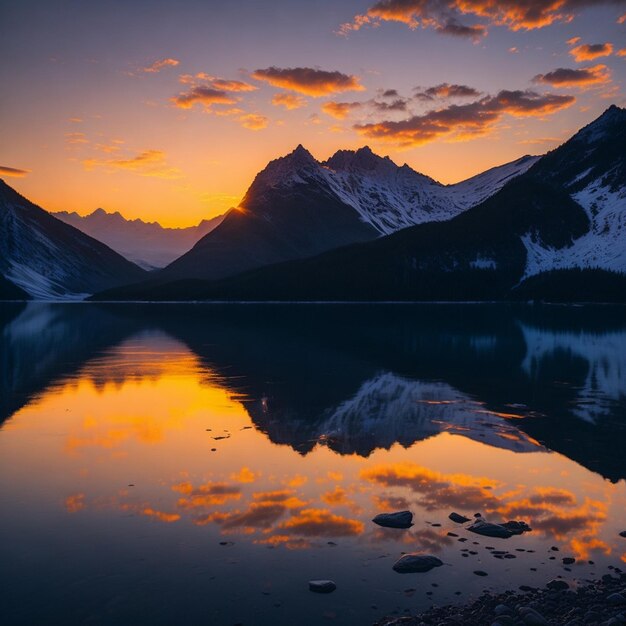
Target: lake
x,y
199,464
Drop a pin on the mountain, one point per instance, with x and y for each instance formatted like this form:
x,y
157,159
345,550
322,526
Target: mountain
x,y
298,207
9,291
47,258
148,244
567,210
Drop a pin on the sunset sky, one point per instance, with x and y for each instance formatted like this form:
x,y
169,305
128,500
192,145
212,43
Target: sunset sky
x,y
166,110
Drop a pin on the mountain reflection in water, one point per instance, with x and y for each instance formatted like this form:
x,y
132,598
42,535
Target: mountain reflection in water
x,y
159,454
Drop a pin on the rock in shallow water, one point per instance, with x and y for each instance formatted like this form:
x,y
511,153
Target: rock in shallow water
x,y
322,586
459,519
557,585
401,519
490,530
416,563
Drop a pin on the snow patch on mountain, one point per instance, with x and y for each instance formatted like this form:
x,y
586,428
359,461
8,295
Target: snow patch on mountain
x,y
602,247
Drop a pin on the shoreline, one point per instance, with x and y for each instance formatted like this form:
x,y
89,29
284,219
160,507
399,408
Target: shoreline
x,y
599,602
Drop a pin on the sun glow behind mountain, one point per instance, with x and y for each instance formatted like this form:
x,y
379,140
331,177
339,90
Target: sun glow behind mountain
x,y
167,114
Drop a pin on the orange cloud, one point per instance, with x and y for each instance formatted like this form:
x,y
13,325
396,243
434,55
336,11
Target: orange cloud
x,y
464,122
254,121
336,497
13,172
222,84
75,503
584,77
589,52
621,53
245,475
147,163
446,90
621,19
321,523
205,496
445,16
202,94
168,518
288,100
308,81
340,110
157,66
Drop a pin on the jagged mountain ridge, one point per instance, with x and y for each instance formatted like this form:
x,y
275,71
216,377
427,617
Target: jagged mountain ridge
x,y
47,258
298,207
539,221
148,244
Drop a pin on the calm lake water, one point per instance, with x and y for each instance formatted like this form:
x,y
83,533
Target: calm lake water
x,y
192,464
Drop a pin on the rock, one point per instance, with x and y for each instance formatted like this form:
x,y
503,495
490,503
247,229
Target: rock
x,y
459,519
568,560
322,586
517,527
503,609
532,617
622,534
401,519
490,530
615,599
479,572
416,563
557,585
504,620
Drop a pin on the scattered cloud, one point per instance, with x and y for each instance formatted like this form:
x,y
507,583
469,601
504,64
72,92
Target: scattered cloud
x,y
589,52
151,163
221,84
254,121
75,138
13,172
75,120
621,53
340,110
621,19
321,523
204,95
75,503
309,81
399,104
157,66
584,77
288,100
245,475
464,122
573,41
446,90
448,16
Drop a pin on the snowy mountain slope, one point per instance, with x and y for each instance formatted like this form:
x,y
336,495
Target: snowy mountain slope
x,y
591,166
148,244
390,197
50,259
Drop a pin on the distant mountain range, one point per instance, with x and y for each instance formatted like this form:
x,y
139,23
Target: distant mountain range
x,y
148,244
41,257
560,218
355,227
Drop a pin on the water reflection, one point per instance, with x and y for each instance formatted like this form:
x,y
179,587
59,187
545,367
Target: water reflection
x,y
233,453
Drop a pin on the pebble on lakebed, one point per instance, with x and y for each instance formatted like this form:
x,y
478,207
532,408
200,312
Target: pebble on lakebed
x,y
401,519
322,586
416,563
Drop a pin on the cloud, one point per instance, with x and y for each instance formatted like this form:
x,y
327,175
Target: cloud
x,y
75,138
446,90
321,523
445,16
245,475
254,121
221,84
399,104
584,77
75,503
288,100
13,172
309,81
464,122
157,66
621,19
202,94
340,110
588,52
207,495
621,53
168,518
148,163
390,93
